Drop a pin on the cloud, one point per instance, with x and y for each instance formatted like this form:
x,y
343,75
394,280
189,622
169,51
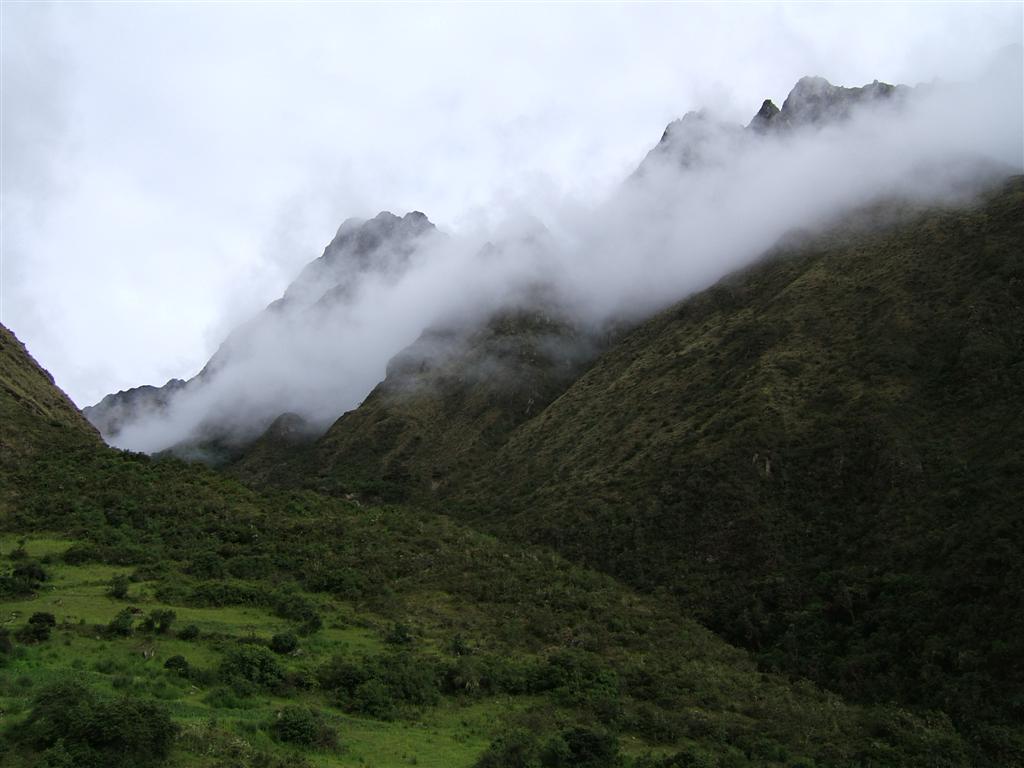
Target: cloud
x,y
711,200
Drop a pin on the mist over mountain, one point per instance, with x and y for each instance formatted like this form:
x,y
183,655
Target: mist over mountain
x,y
706,200
722,468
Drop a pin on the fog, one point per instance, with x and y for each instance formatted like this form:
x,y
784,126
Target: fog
x,y
710,201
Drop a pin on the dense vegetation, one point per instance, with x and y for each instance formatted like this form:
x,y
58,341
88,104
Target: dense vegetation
x,y
448,403
819,458
160,613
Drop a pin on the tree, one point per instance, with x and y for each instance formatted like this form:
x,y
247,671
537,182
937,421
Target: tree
x,y
38,628
118,587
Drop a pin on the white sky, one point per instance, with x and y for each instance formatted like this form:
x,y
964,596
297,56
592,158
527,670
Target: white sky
x,y
168,168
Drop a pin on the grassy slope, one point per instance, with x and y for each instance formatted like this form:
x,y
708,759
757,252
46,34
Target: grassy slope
x,y
552,645
821,458
30,403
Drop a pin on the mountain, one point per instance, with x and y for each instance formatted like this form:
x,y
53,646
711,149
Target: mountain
x,y
30,405
116,410
698,138
379,249
448,402
159,613
819,457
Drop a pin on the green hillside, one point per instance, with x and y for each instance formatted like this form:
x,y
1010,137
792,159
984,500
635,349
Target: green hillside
x,y
449,402
31,405
156,612
819,458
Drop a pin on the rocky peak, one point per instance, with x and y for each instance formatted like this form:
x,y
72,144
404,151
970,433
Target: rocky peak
x,y
815,101
764,116
362,237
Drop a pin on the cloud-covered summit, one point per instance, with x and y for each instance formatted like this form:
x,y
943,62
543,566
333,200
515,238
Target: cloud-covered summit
x,y
708,199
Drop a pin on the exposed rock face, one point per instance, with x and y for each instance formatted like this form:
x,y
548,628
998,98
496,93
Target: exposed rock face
x,y
383,245
697,139
764,117
815,101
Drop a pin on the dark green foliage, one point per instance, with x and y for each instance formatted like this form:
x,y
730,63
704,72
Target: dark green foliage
x,y
575,748
178,664
69,721
283,643
379,686
252,663
159,621
25,579
517,749
189,632
5,642
819,457
303,726
37,629
399,634
118,587
301,610
123,623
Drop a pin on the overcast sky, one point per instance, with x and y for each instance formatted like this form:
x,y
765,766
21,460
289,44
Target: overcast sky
x,y
168,168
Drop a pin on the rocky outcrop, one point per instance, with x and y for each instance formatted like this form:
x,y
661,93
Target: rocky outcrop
x,y
698,139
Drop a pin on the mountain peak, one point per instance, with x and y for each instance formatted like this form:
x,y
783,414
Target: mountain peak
x,y
765,114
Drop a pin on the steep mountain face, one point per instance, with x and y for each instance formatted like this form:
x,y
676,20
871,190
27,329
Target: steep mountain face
x,y
432,423
814,101
447,404
698,139
29,401
379,249
820,457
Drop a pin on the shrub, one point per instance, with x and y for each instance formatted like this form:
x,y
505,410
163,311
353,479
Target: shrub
x,y
400,634
252,663
121,625
299,725
159,621
178,664
576,748
81,553
190,632
118,587
518,749
298,608
38,628
284,642
372,697
30,571
68,722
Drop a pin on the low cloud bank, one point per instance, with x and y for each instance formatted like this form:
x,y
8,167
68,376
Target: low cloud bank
x,y
708,200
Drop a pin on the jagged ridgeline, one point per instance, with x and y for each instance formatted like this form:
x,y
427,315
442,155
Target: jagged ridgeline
x,y
158,613
283,362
